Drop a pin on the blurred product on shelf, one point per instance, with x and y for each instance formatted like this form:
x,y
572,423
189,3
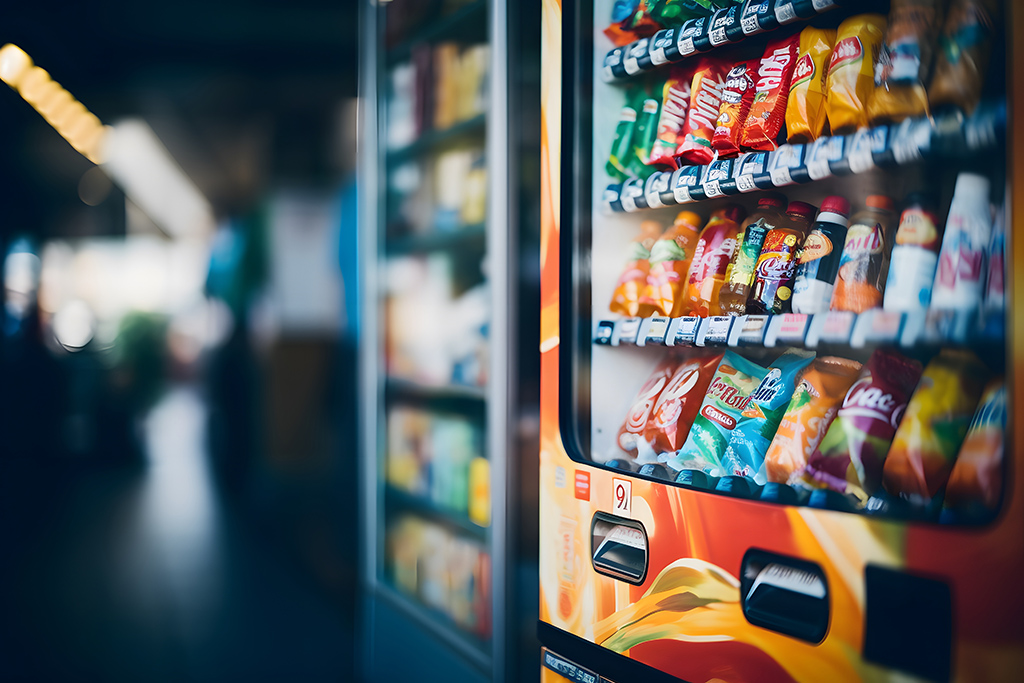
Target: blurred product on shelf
x,y
851,76
964,49
805,110
737,97
711,259
669,263
739,275
768,110
975,485
633,281
995,285
960,276
865,262
774,276
676,408
480,491
914,256
632,431
622,144
645,133
820,256
706,92
675,101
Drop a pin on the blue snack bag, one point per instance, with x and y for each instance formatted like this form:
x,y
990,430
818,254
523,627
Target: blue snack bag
x,y
760,419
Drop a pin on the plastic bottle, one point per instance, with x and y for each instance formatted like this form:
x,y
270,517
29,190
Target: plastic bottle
x,y
818,262
711,258
626,297
740,273
772,291
865,260
960,278
670,262
914,256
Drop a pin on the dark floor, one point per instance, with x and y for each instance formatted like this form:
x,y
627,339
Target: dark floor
x,y
147,572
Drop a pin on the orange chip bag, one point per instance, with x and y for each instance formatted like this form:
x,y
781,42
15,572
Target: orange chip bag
x,y
736,100
805,112
678,404
702,116
814,404
851,71
771,92
626,297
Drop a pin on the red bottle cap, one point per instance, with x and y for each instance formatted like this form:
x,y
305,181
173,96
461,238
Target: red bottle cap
x,y
772,200
836,205
802,209
880,201
734,212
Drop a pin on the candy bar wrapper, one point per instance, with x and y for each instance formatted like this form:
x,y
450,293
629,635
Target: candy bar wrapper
x,y
904,62
808,416
734,380
678,404
736,100
771,93
675,100
851,77
758,422
702,116
626,297
934,426
805,111
850,457
632,430
976,482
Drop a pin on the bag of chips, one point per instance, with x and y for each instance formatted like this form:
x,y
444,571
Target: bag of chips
x,y
640,410
851,75
669,265
618,31
808,415
705,101
644,135
805,111
964,50
758,422
736,99
850,457
976,482
934,426
675,100
734,380
626,297
771,93
678,403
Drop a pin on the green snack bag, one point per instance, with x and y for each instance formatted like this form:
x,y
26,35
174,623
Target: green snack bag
x,y
672,13
622,147
644,135
734,381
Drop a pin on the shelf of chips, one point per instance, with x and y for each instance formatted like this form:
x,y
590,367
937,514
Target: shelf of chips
x,y
914,140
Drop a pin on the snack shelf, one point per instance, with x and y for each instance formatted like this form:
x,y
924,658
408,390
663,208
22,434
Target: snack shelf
x,y
424,507
448,393
727,26
441,625
465,237
913,141
470,129
468,20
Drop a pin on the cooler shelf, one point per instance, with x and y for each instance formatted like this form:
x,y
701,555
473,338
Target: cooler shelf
x,y
457,521
470,129
468,236
912,141
465,21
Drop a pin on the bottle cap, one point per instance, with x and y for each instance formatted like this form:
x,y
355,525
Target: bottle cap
x,y
880,201
734,212
651,228
837,205
689,218
772,200
972,184
802,209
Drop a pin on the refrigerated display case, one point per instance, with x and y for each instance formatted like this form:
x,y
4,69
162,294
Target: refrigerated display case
x,y
770,495
442,275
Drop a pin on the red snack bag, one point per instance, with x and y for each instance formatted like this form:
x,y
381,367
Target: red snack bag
x,y
736,100
679,402
771,94
640,410
705,101
675,100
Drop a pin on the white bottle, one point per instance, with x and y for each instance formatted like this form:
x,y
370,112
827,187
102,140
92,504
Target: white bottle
x,y
914,257
960,278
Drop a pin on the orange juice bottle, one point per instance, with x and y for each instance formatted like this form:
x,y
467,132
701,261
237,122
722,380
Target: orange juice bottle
x,y
711,258
865,261
670,263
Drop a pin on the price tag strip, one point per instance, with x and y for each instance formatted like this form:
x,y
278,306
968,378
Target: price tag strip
x,y
714,331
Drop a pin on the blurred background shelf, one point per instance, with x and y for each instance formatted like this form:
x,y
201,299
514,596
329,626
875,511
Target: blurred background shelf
x,y
465,21
417,504
449,397
469,237
431,141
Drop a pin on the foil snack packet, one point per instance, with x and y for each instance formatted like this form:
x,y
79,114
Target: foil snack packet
x,y
631,284
678,403
736,100
805,111
702,116
771,94
851,73
976,482
675,100
632,430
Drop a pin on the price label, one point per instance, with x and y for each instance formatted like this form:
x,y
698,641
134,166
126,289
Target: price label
x,y
785,13
750,25
627,200
713,188
657,328
603,336
792,327
860,152
718,36
822,5
781,176
837,326
818,169
632,65
622,496
745,183
686,46
627,331
658,56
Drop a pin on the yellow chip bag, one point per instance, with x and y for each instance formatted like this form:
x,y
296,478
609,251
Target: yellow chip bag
x,y
805,112
851,71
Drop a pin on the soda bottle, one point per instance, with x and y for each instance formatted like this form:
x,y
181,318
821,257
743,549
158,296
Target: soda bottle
x,y
818,262
772,291
740,273
714,250
670,264
865,261
960,280
914,256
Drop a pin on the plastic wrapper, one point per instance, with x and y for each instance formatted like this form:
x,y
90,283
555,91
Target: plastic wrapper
x,y
758,422
632,430
805,110
810,412
734,380
771,94
626,297
934,426
675,100
964,49
995,284
617,165
702,116
851,77
669,265
678,404
850,457
736,100
976,482
618,31
670,13
905,61
644,135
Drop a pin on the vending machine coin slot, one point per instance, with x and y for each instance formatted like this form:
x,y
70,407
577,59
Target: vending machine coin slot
x,y
785,594
619,548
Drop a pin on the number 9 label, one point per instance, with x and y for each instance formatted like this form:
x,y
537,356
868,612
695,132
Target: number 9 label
x,y
622,495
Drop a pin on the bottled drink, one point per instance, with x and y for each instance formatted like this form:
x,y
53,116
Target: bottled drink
x,y
626,297
818,263
740,273
865,261
914,257
670,264
960,279
772,291
711,258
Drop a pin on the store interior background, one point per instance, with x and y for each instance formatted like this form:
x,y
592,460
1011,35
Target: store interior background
x,y
178,489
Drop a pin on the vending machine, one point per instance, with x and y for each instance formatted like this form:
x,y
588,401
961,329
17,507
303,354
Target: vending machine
x,y
779,341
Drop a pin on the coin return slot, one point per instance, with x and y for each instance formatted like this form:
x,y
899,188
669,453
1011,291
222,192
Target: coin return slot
x,y
785,594
619,548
